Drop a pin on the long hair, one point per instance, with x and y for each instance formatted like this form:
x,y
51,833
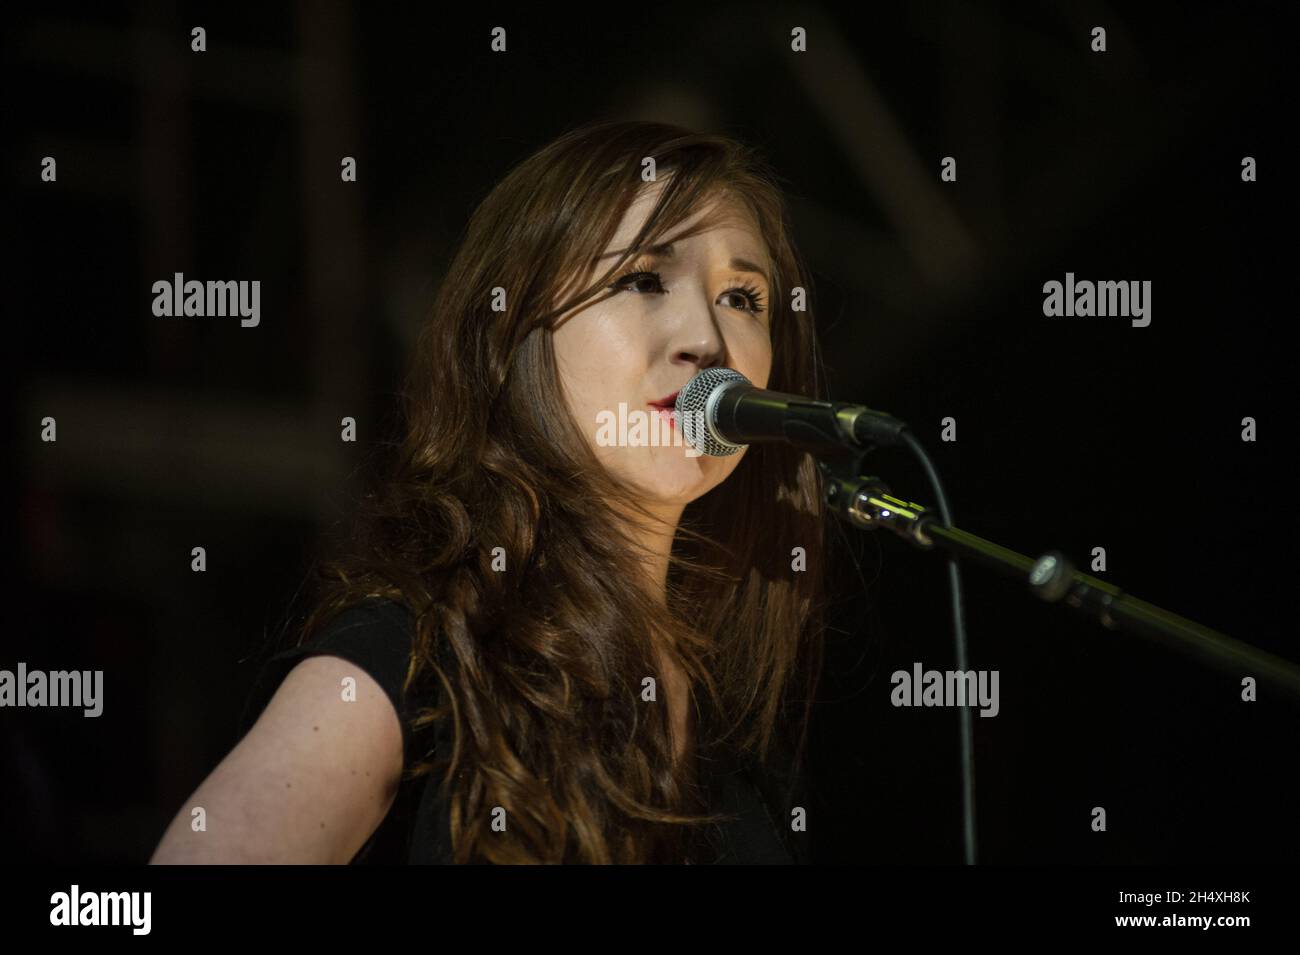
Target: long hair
x,y
494,523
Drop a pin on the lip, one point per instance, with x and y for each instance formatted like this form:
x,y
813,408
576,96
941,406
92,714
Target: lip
x,y
667,414
666,408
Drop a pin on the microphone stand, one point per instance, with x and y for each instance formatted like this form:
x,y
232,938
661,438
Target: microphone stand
x,y
865,502
729,412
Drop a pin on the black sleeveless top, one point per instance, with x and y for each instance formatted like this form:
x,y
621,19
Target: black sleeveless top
x,y
377,636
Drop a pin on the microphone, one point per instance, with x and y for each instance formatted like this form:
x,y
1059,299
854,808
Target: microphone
x,y
721,412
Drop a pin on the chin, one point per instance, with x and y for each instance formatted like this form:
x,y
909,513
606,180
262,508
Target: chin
x,y
670,477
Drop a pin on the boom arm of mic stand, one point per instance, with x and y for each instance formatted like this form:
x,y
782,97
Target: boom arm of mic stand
x,y
865,502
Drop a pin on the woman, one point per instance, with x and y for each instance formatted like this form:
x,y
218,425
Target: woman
x,y
541,646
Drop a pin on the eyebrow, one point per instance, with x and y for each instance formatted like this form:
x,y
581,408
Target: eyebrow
x,y
666,252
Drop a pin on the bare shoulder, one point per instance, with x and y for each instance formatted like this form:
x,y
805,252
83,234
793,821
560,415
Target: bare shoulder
x,y
310,782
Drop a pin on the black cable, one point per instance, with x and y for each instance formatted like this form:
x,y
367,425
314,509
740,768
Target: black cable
x,y
959,641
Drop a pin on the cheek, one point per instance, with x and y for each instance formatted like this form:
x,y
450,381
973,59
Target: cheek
x,y
595,363
722,468
752,354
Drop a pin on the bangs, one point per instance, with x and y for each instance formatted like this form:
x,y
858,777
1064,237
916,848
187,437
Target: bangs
x,y
693,180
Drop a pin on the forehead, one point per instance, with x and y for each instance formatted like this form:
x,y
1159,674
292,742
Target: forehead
x,y
729,218
726,214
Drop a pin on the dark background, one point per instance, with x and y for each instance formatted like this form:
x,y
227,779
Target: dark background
x,y
1072,433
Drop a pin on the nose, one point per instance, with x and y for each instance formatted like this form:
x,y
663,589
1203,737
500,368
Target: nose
x,y
695,338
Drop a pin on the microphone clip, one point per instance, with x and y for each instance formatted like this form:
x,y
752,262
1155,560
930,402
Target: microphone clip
x,y
865,502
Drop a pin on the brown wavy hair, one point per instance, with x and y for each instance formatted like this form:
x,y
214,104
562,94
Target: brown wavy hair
x,y
541,666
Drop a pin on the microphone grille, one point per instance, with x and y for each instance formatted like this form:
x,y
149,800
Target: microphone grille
x,y
693,408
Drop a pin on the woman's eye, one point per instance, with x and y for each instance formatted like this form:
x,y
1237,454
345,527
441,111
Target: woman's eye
x,y
745,299
637,278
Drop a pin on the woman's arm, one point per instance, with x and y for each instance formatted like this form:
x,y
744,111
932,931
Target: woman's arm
x,y
309,783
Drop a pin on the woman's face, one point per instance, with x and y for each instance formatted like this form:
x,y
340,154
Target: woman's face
x,y
680,313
